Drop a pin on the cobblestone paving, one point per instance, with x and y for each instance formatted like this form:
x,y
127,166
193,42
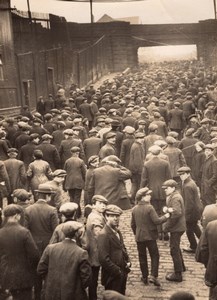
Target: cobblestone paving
x,y
192,278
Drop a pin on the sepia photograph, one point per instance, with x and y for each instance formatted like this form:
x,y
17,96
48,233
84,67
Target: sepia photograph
x,y
108,149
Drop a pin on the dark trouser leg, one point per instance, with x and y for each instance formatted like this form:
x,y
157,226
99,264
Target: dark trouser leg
x,y
94,283
75,196
141,247
10,199
175,251
136,179
213,293
37,288
23,294
192,230
117,284
154,254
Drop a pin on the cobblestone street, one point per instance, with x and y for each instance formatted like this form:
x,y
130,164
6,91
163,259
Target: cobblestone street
x,y
192,278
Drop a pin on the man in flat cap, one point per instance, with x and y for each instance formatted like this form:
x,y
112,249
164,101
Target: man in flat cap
x,y
41,219
113,255
56,185
109,148
193,207
18,254
144,223
23,138
176,226
95,223
50,153
126,145
136,162
67,213
203,132
209,176
108,181
66,267
75,177
176,118
16,172
27,150
58,134
151,137
92,144
155,172
67,144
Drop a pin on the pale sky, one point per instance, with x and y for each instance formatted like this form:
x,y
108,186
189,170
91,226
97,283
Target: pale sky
x,y
149,11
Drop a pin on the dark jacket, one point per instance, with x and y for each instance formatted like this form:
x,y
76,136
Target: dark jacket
x,y
137,157
50,154
91,146
155,172
26,153
176,223
113,256
67,271
65,149
16,172
41,219
193,206
125,151
209,180
18,257
76,171
144,222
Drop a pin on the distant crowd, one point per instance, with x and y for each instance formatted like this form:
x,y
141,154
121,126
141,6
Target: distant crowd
x,y
63,175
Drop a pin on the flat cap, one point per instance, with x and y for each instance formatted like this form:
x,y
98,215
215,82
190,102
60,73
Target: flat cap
x,y
71,227
21,194
112,209
44,188
21,124
189,131
174,134
213,140
99,198
141,122
68,131
157,114
183,170
55,111
93,131
46,137
12,150
160,143
170,140
110,134
102,109
170,182
111,295
99,120
113,158
129,129
25,119
205,121
129,110
34,136
139,135
75,149
48,116
142,192
12,210
68,207
59,173
152,127
115,123
155,150
61,124
209,146
37,120
93,159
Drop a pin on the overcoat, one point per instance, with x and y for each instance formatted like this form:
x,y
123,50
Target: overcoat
x,y
125,151
26,153
209,180
50,154
16,173
76,171
67,269
41,219
206,252
108,181
65,149
18,257
91,146
155,172
113,255
176,159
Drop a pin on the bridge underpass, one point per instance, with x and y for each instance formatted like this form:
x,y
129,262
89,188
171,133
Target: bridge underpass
x,y
166,53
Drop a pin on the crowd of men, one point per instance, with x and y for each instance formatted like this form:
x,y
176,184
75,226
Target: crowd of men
x,y
154,128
